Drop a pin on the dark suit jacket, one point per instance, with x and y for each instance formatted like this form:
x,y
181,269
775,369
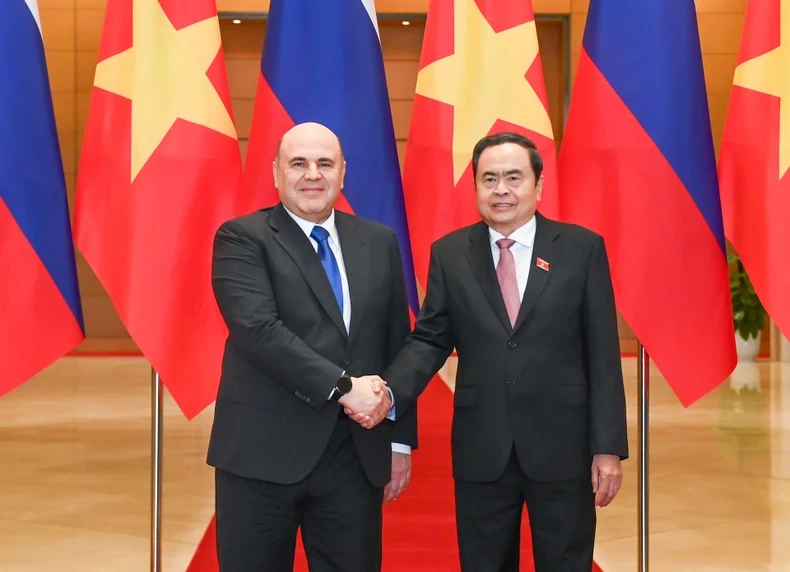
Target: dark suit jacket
x,y
552,385
287,345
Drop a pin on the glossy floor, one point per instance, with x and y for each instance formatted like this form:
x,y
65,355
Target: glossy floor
x,y
75,450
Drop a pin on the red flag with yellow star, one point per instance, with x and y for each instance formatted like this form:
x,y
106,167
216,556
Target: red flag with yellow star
x,y
755,156
480,72
160,170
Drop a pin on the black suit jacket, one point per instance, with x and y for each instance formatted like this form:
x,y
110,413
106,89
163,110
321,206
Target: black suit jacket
x,y
287,344
552,384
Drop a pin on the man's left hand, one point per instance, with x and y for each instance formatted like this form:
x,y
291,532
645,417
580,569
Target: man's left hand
x,y
401,475
607,477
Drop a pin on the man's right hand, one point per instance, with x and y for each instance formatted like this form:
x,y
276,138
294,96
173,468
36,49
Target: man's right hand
x,y
368,403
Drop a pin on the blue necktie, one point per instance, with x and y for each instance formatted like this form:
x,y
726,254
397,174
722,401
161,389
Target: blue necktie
x,y
321,236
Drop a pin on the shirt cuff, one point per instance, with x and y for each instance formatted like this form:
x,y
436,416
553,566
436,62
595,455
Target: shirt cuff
x,y
332,393
391,414
401,448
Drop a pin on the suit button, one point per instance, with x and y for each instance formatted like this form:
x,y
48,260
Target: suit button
x,y
346,361
512,344
507,382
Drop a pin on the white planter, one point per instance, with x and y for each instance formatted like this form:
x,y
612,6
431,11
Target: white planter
x,y
745,376
748,350
784,348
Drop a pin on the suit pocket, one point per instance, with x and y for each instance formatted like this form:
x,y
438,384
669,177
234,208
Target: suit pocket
x,y
571,395
465,397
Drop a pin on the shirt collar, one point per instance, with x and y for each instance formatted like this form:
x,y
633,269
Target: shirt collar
x,y
307,226
524,235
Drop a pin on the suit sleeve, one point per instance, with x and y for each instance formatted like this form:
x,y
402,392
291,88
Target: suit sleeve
x,y
608,430
244,294
405,430
427,347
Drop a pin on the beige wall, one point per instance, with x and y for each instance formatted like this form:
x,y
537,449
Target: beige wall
x,y
72,31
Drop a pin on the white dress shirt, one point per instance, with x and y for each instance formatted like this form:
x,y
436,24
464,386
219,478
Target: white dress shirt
x,y
334,244
522,251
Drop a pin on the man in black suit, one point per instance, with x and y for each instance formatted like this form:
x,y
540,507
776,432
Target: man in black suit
x,y
311,297
539,405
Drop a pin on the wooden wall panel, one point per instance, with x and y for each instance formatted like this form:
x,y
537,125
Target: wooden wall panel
x,y
551,39
401,47
400,42
64,103
385,6
401,77
89,27
60,67
242,114
721,6
719,71
57,4
86,68
243,41
72,30
58,28
243,73
243,45
401,117
720,33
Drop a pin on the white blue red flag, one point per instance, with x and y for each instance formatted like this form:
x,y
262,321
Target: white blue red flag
x,y
637,165
40,310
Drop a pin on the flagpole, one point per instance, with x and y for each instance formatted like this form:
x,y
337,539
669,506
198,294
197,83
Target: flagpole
x,y
643,367
156,472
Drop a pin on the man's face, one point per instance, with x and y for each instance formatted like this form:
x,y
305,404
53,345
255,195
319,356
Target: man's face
x,y
309,171
506,189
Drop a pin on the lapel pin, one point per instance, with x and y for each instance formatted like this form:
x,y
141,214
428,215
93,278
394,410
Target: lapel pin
x,y
542,264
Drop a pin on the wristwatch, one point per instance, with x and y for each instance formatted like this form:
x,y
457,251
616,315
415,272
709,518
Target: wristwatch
x,y
344,385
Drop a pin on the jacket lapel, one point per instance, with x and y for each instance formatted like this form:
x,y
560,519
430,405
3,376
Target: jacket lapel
x,y
548,248
356,255
298,246
479,255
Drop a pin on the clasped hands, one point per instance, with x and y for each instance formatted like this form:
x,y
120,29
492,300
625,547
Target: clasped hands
x,y
368,403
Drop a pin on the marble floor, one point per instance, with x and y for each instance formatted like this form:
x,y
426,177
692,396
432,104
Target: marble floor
x,y
75,450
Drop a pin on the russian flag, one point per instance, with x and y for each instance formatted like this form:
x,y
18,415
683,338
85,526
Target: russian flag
x,y
40,310
637,165
322,62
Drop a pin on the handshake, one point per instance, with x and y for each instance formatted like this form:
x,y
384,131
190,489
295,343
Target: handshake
x,y
368,403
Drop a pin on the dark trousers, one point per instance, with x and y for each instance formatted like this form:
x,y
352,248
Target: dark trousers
x,y
561,514
338,510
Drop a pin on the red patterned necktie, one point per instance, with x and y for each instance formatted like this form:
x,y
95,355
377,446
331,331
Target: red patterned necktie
x,y
506,274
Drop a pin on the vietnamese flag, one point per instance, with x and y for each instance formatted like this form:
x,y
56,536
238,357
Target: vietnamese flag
x,y
160,171
755,156
480,73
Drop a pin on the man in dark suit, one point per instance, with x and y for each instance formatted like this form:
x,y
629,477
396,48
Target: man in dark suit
x,y
539,400
312,298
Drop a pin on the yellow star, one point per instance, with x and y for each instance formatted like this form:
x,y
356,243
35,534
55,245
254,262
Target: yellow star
x,y
770,74
164,75
484,81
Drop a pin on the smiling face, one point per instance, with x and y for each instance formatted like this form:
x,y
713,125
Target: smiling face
x,y
506,189
309,171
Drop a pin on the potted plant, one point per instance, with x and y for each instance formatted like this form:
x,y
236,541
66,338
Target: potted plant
x,y
748,311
